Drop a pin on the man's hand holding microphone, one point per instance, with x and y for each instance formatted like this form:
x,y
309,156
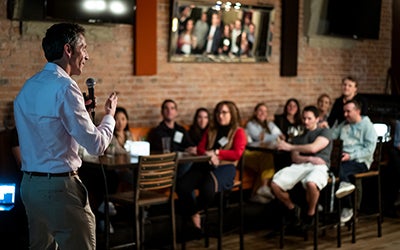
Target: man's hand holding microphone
x,y
90,100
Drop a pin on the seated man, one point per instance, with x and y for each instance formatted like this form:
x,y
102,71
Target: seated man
x,y
310,156
168,127
359,142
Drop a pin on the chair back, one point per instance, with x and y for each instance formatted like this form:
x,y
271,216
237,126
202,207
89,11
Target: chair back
x,y
336,156
382,130
156,172
377,154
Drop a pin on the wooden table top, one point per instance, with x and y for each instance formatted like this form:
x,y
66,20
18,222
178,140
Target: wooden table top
x,y
126,160
262,146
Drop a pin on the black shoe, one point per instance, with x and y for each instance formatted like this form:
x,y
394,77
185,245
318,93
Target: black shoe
x,y
198,233
308,222
190,231
294,215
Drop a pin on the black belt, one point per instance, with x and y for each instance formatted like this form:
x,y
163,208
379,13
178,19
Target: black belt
x,y
49,175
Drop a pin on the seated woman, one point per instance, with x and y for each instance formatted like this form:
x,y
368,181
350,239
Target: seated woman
x,y
121,132
324,103
200,125
291,124
120,178
121,135
225,142
258,128
290,119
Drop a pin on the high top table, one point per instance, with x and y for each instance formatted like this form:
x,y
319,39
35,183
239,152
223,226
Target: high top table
x,y
120,161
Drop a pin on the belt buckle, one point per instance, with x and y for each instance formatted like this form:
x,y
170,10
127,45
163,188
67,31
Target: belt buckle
x,y
72,173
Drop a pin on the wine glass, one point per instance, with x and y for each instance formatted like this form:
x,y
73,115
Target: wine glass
x,y
292,132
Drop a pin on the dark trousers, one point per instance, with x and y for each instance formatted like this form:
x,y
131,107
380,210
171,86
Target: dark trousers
x,y
198,177
347,170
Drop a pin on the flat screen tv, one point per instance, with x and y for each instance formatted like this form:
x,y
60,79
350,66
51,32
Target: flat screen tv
x,y
221,32
80,11
357,19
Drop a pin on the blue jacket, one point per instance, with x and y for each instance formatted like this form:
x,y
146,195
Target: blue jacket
x,y
359,139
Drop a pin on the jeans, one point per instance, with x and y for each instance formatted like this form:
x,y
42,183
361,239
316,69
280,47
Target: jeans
x,y
347,170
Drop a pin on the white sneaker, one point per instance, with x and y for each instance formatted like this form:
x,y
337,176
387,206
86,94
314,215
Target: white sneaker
x,y
346,215
111,208
266,192
345,188
102,227
260,199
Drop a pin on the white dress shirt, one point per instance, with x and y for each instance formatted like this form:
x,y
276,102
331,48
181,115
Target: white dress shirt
x,y
52,121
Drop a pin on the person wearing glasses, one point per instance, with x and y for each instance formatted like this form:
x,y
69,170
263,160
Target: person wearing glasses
x,y
224,141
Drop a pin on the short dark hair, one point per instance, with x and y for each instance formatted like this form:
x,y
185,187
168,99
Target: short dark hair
x,y
350,78
356,103
311,108
57,36
167,101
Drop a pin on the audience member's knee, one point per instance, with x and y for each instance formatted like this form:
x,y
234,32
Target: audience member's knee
x,y
275,187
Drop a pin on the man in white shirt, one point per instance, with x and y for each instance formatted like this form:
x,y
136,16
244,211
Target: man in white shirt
x,y
236,31
52,122
214,34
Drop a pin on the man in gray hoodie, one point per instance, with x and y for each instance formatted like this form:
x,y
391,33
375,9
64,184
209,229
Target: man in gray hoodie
x,y
359,142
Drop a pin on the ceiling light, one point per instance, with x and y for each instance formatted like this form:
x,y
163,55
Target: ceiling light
x,y
94,5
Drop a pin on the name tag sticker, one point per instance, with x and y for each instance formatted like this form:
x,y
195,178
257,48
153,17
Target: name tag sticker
x,y
223,141
178,136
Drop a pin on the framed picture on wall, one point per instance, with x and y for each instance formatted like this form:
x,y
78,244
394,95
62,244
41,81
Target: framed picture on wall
x,y
209,31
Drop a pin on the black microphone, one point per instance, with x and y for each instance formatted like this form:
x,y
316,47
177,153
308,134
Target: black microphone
x,y
90,82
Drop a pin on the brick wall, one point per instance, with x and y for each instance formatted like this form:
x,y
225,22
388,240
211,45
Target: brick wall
x,y
322,62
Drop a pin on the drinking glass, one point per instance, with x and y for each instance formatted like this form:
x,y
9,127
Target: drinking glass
x,y
292,131
166,144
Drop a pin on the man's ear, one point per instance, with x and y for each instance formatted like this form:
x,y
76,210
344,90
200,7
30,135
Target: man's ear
x,y
68,49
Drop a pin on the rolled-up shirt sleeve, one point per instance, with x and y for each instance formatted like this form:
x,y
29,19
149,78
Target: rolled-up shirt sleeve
x,y
78,123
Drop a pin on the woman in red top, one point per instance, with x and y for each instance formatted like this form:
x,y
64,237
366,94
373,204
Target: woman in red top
x,y
225,142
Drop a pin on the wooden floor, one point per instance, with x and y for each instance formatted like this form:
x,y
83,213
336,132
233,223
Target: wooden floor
x,y
261,238
366,239
258,220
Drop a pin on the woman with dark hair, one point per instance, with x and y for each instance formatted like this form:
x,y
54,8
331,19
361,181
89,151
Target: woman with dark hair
x,y
224,141
123,177
291,125
200,124
121,132
290,121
